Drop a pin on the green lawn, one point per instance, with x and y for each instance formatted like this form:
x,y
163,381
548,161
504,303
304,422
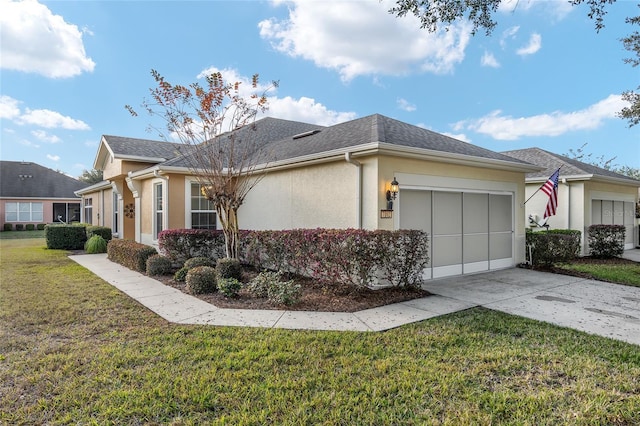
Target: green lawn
x,y
13,235
74,350
628,274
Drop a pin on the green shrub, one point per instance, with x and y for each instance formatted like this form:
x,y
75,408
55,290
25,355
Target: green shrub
x,y
260,284
30,227
201,279
555,245
606,240
8,227
284,293
229,268
159,265
19,227
40,227
96,244
181,274
129,253
103,231
65,237
229,287
199,261
270,285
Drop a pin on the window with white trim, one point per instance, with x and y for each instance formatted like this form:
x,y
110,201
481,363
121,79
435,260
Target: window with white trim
x,y
203,215
114,225
88,211
158,209
23,212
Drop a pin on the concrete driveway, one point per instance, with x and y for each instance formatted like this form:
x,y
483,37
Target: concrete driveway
x,y
596,307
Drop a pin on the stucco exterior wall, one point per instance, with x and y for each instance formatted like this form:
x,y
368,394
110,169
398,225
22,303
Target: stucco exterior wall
x,y
323,195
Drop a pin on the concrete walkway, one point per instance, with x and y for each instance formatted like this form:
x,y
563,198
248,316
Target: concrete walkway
x,y
595,307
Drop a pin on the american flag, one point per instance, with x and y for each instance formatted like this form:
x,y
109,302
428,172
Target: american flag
x,y
550,188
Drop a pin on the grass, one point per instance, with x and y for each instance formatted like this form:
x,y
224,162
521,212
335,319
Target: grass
x,y
628,274
13,235
74,350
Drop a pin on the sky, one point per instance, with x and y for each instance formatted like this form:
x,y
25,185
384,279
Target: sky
x,y
544,78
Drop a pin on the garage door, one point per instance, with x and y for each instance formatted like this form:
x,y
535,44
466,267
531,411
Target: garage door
x,y
469,231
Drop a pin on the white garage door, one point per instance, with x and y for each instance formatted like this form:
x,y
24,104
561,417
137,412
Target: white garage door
x,y
469,231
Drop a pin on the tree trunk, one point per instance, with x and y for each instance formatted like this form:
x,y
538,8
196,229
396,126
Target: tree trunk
x,y
228,217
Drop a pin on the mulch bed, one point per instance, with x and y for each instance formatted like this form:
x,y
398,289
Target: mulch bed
x,y
315,296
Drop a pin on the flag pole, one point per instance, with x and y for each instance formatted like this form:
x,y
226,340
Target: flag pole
x,y
541,186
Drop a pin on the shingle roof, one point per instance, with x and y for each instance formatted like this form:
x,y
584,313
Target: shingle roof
x,y
280,142
570,166
30,180
142,148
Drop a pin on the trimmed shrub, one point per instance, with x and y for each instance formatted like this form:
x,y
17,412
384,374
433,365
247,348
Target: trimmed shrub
x,y
96,244
129,253
270,285
40,227
159,265
201,279
229,287
181,274
8,227
103,231
555,245
65,237
606,240
19,227
199,261
284,293
229,268
30,227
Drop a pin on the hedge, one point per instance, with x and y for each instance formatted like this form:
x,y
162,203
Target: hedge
x,y
555,245
103,231
65,237
129,253
182,244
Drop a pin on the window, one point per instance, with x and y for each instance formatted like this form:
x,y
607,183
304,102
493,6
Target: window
x,y
203,215
114,225
88,211
23,212
158,208
66,212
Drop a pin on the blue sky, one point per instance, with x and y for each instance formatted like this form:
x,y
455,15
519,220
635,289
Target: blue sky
x,y
544,78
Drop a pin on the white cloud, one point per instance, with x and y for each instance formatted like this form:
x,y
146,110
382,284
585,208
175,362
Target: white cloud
x,y
359,38
404,105
45,137
459,136
556,10
55,158
28,143
535,44
51,120
488,60
306,110
505,127
9,107
33,39
287,108
509,34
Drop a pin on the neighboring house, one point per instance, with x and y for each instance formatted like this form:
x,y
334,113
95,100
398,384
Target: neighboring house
x,y
467,198
587,195
30,193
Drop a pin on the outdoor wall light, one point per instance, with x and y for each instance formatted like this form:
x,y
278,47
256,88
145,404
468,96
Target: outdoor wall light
x,y
392,193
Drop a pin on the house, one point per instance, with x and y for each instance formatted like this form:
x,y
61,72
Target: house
x,y
587,195
469,199
33,194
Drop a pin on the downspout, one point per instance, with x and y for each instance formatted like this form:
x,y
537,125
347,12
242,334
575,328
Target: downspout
x,y
348,159
165,197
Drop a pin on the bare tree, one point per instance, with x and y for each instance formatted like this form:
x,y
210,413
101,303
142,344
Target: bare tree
x,y
216,124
